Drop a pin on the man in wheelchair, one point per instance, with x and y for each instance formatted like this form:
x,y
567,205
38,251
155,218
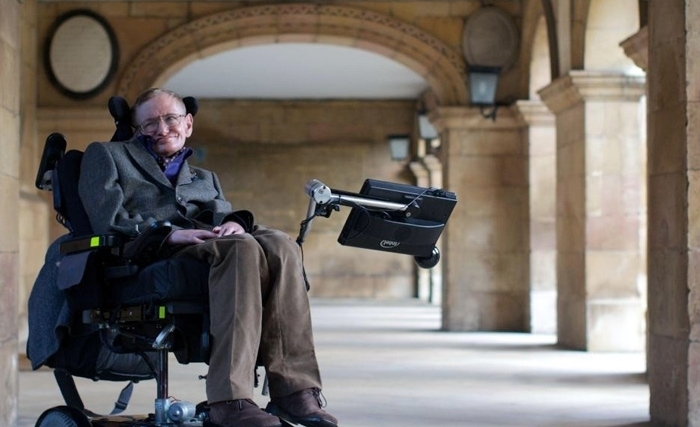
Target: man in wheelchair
x,y
258,301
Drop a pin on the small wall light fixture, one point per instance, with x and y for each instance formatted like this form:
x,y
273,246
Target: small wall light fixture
x,y
426,130
429,138
483,82
399,146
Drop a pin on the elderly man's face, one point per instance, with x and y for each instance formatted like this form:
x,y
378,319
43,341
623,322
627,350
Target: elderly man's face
x,y
164,119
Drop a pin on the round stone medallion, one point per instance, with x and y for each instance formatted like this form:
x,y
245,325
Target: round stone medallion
x,y
490,39
81,53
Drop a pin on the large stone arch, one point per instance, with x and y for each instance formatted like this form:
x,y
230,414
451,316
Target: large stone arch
x,y
441,66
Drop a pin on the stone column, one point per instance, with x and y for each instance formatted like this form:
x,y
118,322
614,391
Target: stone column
x,y
9,196
434,167
541,142
485,278
420,172
35,205
674,212
428,173
599,208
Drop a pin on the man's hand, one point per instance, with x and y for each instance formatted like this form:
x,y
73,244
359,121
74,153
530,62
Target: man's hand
x,y
194,236
228,228
189,237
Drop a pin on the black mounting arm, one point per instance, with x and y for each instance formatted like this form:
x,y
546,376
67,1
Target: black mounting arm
x,y
324,200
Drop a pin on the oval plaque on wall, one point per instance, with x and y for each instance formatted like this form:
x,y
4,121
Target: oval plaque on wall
x,y
81,54
490,39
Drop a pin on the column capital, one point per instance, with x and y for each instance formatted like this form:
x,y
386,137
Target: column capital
x,y
419,170
582,86
446,118
636,48
426,166
535,113
432,163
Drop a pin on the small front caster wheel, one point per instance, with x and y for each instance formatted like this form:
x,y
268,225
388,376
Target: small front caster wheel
x,y
63,416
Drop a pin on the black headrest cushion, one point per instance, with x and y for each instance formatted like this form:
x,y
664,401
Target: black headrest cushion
x,y
119,109
191,105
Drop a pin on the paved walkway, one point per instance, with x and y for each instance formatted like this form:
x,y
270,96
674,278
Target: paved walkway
x,y
387,364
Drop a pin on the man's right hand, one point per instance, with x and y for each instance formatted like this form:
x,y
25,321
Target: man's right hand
x,y
189,237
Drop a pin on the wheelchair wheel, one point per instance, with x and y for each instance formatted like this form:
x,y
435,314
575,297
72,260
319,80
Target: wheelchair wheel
x,y
63,416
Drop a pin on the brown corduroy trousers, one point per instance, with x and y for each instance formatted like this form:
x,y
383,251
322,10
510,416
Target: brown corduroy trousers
x,y
258,305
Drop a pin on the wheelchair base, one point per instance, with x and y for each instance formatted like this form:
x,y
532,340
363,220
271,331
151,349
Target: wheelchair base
x,y
138,421
67,416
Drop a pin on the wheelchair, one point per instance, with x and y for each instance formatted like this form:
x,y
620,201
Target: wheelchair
x,y
144,307
123,297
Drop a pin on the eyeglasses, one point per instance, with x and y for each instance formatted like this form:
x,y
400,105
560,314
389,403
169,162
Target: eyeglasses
x,y
151,125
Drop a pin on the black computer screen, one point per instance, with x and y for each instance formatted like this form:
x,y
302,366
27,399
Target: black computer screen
x,y
412,231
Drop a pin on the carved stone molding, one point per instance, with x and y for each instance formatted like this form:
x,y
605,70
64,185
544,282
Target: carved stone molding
x,y
453,118
441,66
636,48
560,95
580,86
419,171
535,113
432,163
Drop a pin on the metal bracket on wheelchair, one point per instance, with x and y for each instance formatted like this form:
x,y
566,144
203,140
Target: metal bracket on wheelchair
x,y
324,200
161,342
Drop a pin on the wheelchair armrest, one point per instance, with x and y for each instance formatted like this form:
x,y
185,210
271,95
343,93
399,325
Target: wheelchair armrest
x,y
90,242
142,247
147,247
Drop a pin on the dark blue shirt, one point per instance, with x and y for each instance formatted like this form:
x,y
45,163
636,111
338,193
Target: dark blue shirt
x,y
169,165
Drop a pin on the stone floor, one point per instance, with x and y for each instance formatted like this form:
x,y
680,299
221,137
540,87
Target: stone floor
x,y
387,364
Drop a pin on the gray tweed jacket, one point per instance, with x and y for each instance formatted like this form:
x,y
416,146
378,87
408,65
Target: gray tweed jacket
x,y
124,190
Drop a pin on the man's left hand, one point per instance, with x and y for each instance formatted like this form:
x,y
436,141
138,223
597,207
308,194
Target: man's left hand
x,y
228,228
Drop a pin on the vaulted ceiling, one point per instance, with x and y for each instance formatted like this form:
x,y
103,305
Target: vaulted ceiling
x,y
298,71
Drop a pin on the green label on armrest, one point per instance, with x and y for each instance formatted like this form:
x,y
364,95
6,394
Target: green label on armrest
x,y
161,312
95,241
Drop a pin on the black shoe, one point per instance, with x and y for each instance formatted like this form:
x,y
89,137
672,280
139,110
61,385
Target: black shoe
x,y
241,413
304,407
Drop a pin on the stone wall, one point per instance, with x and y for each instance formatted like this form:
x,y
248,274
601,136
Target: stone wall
x,y
33,206
10,66
673,212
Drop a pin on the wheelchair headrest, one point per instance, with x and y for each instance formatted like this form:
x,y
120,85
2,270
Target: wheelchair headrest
x,y
191,105
121,112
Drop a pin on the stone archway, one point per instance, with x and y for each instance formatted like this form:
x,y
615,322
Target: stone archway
x,y
441,66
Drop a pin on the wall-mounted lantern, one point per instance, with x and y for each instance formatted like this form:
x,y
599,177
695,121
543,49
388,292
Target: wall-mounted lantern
x,y
399,146
490,44
483,83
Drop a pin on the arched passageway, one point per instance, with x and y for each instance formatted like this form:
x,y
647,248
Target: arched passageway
x,y
440,65
354,131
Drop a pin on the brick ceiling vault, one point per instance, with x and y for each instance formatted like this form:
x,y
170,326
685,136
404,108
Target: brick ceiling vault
x,y
441,66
